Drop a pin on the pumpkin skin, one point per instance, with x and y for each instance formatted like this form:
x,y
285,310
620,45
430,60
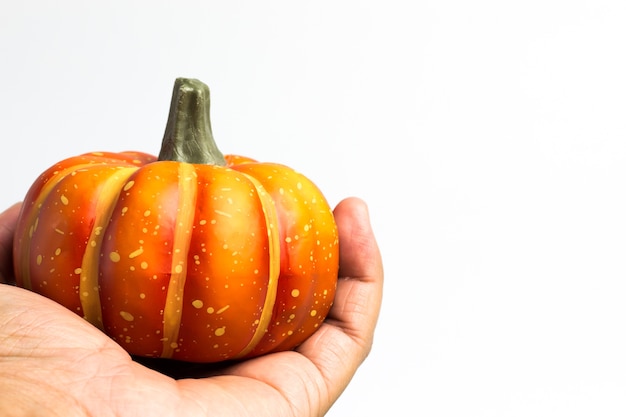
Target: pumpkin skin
x,y
199,262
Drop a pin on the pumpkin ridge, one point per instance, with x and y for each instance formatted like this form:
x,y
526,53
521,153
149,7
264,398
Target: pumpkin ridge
x,y
30,217
88,285
173,310
271,221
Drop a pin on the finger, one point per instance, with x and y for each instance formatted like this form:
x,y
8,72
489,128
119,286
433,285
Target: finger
x,y
360,285
8,223
340,345
359,253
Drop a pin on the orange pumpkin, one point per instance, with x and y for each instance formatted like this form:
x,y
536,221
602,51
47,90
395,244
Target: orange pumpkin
x,y
192,256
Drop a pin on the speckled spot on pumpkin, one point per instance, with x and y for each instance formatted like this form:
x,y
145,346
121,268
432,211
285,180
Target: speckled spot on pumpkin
x,y
127,316
129,185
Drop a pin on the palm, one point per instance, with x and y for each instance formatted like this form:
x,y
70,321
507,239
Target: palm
x,y
60,359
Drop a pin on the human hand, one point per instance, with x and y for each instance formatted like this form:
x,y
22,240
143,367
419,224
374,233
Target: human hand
x,y
53,363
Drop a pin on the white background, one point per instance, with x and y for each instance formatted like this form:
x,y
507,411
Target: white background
x,y
488,137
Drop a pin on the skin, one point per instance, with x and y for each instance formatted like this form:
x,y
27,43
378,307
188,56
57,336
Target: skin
x,y
53,363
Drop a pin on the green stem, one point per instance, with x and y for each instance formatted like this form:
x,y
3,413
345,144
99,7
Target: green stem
x,y
188,136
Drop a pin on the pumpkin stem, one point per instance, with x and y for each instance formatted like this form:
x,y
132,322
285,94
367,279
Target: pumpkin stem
x,y
188,136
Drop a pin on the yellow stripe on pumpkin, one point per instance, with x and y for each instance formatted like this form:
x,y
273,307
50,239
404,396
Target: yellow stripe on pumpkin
x,y
172,313
271,221
88,286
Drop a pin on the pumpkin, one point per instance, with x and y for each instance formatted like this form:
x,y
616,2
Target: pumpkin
x,y
193,255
